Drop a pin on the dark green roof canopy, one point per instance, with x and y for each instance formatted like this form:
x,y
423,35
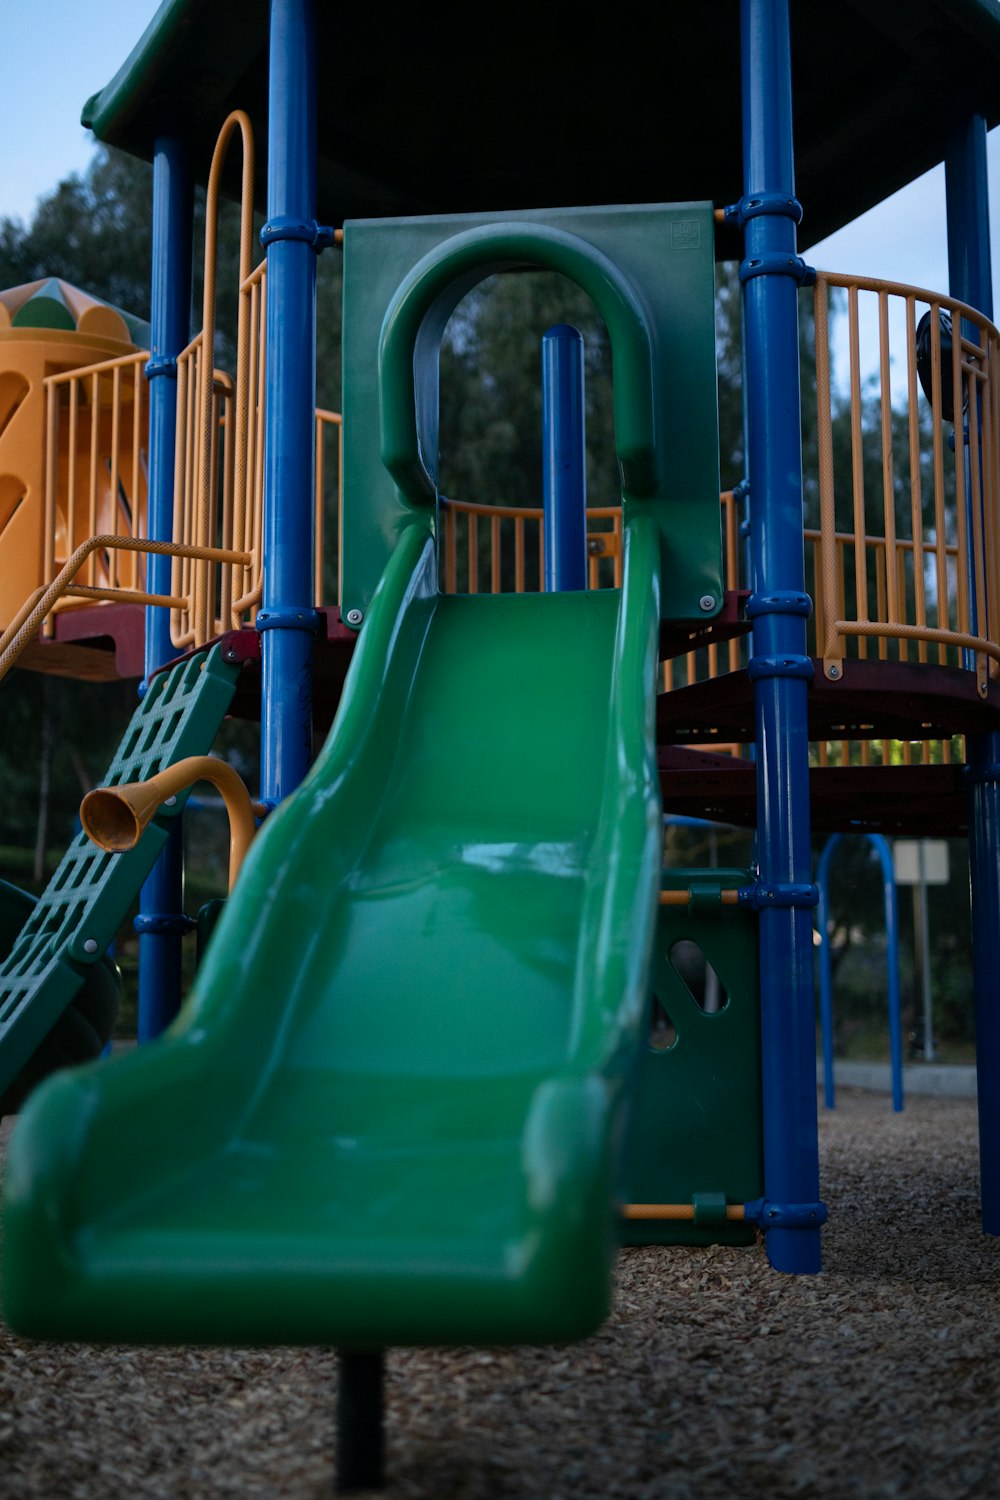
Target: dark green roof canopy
x,y
457,107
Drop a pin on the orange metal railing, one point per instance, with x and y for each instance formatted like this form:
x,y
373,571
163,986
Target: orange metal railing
x,y
95,465
217,431
219,476
329,434
96,424
491,549
903,565
907,564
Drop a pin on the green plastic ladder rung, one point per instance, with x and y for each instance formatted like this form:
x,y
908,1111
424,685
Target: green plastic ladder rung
x,y
76,917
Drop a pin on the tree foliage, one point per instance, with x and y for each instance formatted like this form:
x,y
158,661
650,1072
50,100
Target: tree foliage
x,y
94,231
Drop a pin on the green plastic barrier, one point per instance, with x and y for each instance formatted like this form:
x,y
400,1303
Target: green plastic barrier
x,y
487,248
390,1111
696,1128
85,1026
650,271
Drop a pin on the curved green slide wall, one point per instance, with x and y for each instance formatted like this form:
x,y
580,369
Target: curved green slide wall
x,y
392,1110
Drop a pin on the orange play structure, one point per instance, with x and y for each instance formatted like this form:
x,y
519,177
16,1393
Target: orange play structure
x,y
73,426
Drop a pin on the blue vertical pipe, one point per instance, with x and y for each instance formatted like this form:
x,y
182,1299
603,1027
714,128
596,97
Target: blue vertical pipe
x,y
881,846
970,280
160,922
287,618
825,968
892,961
564,459
779,668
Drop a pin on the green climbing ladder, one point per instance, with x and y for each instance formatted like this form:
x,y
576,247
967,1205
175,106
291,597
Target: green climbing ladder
x,y
75,919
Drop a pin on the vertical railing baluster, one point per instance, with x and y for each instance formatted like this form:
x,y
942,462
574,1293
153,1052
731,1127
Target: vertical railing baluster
x,y
888,470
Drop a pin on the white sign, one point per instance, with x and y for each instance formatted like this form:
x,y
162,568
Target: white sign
x,y
906,859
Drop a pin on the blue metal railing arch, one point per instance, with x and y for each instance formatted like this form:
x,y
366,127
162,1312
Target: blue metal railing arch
x,y
881,845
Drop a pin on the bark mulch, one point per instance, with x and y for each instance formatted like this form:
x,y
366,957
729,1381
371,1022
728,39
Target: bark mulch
x,y
715,1376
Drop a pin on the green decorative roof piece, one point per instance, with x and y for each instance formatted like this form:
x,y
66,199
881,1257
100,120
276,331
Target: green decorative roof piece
x,y
55,304
45,308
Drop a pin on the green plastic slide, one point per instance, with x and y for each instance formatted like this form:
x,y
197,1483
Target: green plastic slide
x,y
392,1111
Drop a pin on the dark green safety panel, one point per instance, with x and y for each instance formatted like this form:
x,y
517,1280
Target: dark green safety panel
x,y
76,917
83,1028
696,1117
648,269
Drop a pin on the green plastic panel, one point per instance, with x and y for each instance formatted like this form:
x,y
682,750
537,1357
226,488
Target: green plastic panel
x,y
78,913
648,269
83,1028
696,1116
391,1110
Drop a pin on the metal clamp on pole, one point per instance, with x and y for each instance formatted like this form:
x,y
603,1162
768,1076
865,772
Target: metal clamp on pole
x,y
312,620
781,205
778,263
285,227
767,897
779,602
780,666
769,1215
163,921
160,364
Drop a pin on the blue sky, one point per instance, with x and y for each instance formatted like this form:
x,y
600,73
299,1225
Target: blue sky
x,y
58,52
55,54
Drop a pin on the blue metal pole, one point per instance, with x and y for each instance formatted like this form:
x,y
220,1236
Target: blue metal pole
x,y
287,618
881,845
970,278
780,669
161,923
564,459
825,974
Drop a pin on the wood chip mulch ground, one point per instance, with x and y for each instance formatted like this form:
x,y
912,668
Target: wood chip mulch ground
x,y
715,1377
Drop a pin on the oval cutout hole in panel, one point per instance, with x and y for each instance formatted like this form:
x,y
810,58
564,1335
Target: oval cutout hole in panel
x,y
698,977
662,1031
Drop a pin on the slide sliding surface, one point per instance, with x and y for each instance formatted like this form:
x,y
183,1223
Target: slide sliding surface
x,y
392,1110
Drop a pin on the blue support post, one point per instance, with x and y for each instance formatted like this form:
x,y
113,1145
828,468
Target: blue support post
x,y
564,459
161,922
970,278
287,618
892,962
881,847
780,669
825,969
